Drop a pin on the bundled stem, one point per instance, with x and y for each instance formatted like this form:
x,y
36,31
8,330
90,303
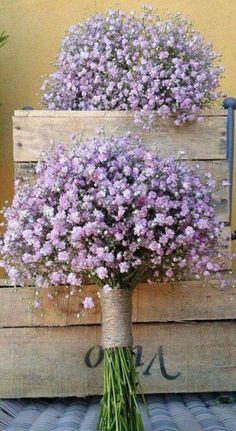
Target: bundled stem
x,y
119,407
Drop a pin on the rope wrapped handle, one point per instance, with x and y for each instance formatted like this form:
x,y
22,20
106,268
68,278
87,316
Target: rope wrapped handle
x,y
117,318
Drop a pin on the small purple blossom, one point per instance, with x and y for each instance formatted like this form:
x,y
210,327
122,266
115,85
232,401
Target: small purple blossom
x,y
169,273
88,303
37,304
189,231
73,279
102,272
225,183
124,267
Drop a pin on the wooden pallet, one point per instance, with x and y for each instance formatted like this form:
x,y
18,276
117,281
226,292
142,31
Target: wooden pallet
x,y
184,334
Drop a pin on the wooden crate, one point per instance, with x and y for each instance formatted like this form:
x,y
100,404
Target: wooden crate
x,y
184,334
184,340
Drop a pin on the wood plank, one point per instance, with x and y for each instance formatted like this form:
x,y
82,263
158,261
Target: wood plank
x,y
114,113
25,171
56,362
151,303
32,133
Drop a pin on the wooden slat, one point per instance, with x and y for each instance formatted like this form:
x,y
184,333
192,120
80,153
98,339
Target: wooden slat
x,y
55,362
114,113
33,130
151,303
25,171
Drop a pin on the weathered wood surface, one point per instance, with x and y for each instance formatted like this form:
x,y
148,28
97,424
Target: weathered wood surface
x,y
50,113
170,302
32,131
175,357
25,171
185,332
62,306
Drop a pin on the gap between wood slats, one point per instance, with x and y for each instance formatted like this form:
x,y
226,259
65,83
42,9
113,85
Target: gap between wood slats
x,y
150,322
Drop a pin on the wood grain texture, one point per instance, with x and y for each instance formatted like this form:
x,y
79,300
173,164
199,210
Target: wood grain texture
x,y
114,113
52,362
151,303
33,130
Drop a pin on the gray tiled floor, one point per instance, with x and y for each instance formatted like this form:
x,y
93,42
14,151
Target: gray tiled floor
x,y
185,412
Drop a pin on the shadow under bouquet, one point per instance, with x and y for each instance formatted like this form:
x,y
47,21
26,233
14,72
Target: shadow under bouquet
x,y
111,212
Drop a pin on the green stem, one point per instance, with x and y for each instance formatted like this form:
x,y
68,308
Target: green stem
x,y
119,407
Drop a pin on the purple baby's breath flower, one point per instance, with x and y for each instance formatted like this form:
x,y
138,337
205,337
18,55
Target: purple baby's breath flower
x,y
131,62
225,183
88,303
189,231
102,272
169,273
73,279
202,224
63,256
124,267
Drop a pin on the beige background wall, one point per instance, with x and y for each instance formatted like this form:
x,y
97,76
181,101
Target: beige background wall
x,y
36,28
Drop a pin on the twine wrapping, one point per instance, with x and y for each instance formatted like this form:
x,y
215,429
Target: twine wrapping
x,y
117,318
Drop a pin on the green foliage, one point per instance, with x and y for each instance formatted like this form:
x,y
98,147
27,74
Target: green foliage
x,y
3,38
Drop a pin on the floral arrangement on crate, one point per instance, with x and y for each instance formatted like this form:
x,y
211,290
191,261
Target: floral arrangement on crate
x,y
110,211
138,63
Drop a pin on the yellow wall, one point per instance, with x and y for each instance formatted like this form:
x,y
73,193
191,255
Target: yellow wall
x,y
36,28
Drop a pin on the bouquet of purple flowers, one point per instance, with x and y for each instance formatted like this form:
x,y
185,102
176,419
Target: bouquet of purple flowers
x,y
139,63
114,213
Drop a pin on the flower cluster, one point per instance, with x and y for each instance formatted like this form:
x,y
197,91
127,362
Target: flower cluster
x,y
110,210
139,63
